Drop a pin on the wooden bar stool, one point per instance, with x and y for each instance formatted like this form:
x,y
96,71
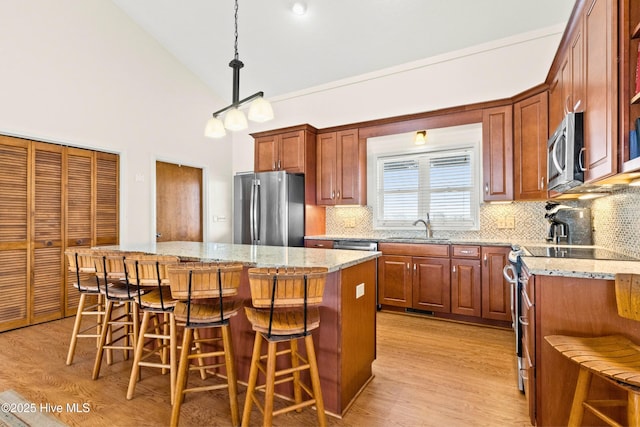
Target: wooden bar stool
x,y
81,265
284,311
156,346
119,329
613,357
205,292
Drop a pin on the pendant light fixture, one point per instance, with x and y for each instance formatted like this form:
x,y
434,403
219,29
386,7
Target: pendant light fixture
x,y
420,137
234,119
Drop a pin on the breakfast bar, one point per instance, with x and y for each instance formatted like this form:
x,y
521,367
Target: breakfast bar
x,y
346,340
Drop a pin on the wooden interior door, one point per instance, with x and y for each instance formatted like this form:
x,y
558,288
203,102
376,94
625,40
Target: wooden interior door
x,y
178,203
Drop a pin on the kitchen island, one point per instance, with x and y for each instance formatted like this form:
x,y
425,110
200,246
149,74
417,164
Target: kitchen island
x,y
346,340
572,297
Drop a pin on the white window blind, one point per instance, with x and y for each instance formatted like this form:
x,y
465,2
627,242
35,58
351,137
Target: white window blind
x,y
440,183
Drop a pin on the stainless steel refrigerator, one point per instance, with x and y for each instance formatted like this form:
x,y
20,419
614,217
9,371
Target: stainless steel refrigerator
x,y
268,209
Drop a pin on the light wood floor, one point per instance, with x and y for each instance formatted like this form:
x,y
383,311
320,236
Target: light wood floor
x,y
428,373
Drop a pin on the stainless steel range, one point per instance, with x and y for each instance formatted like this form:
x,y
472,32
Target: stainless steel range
x,y
512,273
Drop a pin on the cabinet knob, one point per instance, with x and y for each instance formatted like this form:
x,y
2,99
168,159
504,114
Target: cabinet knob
x,y
485,259
279,164
542,183
333,195
338,195
408,266
486,188
454,269
274,166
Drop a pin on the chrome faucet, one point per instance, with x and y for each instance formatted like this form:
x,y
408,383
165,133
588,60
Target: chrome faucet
x,y
427,224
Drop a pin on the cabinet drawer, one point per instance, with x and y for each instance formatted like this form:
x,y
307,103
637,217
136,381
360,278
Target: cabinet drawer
x,y
459,251
315,243
414,249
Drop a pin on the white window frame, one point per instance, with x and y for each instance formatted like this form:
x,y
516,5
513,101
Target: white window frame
x,y
424,157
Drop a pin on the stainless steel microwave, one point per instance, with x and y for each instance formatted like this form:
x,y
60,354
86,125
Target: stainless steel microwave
x,y
565,155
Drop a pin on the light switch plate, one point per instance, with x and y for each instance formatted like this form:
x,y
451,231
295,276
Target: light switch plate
x,y
359,290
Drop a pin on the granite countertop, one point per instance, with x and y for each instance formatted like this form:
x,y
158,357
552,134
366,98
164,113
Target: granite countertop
x,y
254,256
583,268
402,239
539,265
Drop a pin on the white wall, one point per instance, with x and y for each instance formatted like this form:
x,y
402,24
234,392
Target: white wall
x,y
81,73
494,70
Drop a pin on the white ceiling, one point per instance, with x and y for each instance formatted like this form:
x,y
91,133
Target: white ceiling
x,y
336,39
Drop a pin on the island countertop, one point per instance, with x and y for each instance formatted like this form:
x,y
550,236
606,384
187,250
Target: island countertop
x,y
253,255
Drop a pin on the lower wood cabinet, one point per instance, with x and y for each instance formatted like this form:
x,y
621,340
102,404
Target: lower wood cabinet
x,y
465,287
321,244
496,291
414,276
457,279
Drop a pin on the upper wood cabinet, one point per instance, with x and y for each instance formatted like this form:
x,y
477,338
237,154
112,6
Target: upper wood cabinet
x,y
601,89
341,168
497,153
584,79
530,147
629,96
291,149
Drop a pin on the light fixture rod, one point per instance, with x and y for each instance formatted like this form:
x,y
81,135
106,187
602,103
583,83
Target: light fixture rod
x,y
239,103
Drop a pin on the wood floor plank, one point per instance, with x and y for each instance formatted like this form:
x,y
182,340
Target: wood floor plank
x,y
428,372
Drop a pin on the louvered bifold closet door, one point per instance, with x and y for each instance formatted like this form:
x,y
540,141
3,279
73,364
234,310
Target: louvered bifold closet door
x,y
107,197
79,211
47,290
14,232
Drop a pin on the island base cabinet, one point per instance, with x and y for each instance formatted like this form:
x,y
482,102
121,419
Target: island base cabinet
x,y
345,342
581,307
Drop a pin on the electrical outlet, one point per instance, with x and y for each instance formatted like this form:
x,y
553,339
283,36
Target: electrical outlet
x,y
502,223
349,222
510,222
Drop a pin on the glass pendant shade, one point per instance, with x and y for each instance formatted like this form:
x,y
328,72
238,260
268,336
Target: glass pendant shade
x,y
260,110
235,119
214,128
420,138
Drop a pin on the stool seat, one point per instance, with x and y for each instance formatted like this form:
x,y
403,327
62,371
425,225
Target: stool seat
x,y
156,299
206,311
612,356
284,321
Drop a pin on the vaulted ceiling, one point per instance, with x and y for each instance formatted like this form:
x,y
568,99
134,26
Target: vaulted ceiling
x,y
335,39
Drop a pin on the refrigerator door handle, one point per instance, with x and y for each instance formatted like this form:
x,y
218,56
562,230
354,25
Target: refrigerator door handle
x,y
252,211
255,212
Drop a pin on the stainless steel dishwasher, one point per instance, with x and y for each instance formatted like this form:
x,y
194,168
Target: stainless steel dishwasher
x,y
360,245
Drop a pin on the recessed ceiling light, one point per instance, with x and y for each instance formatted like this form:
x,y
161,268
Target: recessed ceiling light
x,y
299,8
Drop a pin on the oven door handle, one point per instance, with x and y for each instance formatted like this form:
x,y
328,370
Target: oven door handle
x,y
509,273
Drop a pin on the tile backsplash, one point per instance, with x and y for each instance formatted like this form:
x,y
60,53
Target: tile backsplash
x,y
615,220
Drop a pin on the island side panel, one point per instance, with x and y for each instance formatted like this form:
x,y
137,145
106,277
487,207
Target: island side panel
x,y
358,327
581,307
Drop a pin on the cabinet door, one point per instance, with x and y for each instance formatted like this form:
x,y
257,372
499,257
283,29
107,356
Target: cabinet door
x,y
601,88
266,153
327,169
556,109
432,284
394,280
14,238
497,153
351,161
465,287
577,101
292,152
530,147
48,261
496,291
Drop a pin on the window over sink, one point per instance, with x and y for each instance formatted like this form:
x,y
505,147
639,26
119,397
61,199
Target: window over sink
x,y
442,181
